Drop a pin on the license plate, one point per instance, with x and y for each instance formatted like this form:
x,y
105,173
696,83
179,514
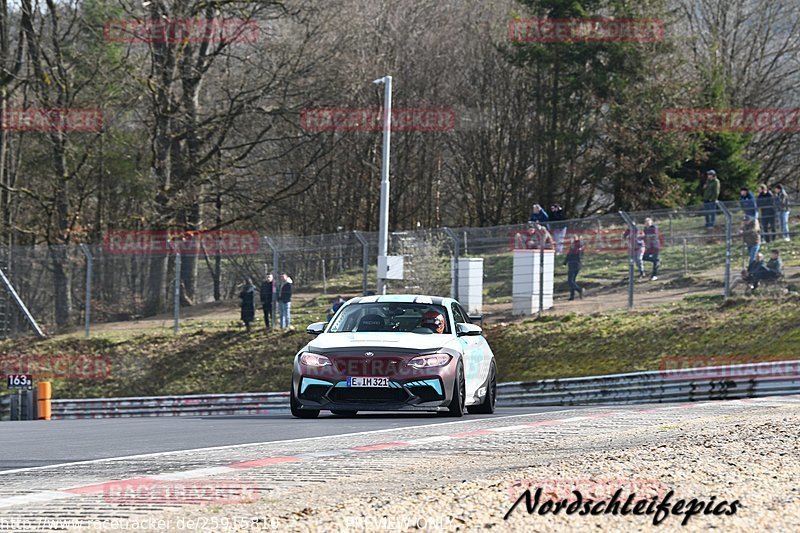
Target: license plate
x,y
367,382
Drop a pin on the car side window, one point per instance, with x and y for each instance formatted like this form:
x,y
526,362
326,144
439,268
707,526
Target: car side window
x,y
458,315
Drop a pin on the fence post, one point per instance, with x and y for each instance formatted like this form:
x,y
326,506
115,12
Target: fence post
x,y
365,257
88,304
671,238
685,259
456,253
728,244
176,293
631,251
276,260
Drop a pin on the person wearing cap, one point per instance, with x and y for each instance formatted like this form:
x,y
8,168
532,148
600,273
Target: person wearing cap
x,y
751,234
710,197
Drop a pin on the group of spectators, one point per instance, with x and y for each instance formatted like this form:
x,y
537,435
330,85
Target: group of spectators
x,y
765,216
266,293
766,206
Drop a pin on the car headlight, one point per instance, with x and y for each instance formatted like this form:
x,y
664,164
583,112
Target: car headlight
x,y
430,361
314,360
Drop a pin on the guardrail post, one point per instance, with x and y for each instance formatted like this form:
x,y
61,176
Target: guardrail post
x,y
728,244
364,258
177,290
456,253
631,251
276,264
88,303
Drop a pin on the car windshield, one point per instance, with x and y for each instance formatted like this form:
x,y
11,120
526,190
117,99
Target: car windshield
x,y
388,317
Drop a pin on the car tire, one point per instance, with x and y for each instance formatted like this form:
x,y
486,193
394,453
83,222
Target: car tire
x,y
297,412
344,413
486,407
456,407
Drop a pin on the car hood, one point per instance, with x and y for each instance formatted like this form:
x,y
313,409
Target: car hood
x,y
397,341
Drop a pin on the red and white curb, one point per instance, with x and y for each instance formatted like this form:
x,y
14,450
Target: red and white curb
x,y
236,467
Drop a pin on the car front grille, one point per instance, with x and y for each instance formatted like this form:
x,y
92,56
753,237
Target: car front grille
x,y
367,394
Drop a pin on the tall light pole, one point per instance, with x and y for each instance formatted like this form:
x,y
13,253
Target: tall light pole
x,y
383,234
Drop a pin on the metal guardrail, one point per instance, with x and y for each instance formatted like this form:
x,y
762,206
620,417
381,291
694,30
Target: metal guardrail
x,y
679,385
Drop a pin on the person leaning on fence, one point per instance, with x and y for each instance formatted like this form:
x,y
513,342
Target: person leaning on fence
x,y
574,260
781,200
248,305
748,202
538,214
557,218
638,248
267,288
766,203
285,301
710,197
652,246
539,238
769,272
751,235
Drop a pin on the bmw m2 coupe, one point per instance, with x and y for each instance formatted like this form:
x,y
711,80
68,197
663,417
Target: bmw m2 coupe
x,y
395,353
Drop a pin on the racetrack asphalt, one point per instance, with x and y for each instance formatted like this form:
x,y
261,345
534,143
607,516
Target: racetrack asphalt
x,y
42,443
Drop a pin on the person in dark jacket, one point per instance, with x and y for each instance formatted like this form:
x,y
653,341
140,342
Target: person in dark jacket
x,y
652,246
539,215
771,271
574,260
267,288
285,301
559,228
710,197
766,203
781,200
248,305
748,202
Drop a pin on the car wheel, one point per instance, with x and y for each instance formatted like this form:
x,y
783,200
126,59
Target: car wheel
x,y
340,412
456,407
486,407
297,412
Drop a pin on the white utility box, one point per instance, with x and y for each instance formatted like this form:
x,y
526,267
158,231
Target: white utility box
x,y
527,285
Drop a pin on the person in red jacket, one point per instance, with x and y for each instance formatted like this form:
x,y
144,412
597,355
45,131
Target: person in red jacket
x,y
652,246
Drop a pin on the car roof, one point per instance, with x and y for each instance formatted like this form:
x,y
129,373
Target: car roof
x,y
402,298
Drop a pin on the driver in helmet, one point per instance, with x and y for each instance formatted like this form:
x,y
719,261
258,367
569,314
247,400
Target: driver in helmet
x,y
434,321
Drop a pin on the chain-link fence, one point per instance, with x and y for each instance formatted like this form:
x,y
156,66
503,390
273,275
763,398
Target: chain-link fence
x,y
627,261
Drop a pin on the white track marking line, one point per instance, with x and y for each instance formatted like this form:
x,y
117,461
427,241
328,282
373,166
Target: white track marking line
x,y
267,443
197,472
36,497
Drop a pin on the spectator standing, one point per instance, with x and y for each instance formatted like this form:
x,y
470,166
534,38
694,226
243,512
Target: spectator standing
x,y
652,246
267,290
772,270
248,305
781,200
751,234
285,301
766,204
559,227
710,197
574,260
539,215
638,249
748,202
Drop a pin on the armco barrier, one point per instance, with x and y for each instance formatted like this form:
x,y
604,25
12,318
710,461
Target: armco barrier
x,y
679,385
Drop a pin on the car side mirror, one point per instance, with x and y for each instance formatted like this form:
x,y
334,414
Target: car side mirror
x,y
476,318
316,328
470,330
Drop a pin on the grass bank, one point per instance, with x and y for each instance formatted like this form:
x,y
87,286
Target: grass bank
x,y
220,357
